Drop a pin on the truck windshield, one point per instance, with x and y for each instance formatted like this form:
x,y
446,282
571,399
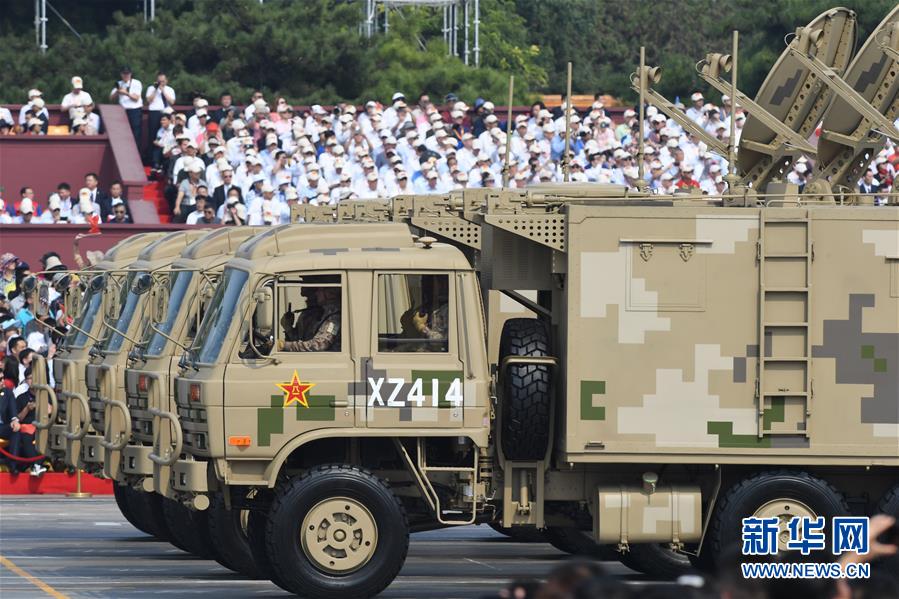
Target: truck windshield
x,y
114,340
90,308
219,315
155,343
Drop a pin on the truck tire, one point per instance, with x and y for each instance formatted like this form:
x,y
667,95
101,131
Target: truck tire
x,y
527,391
147,511
189,529
780,493
889,504
577,542
336,531
521,534
656,560
121,492
256,525
229,538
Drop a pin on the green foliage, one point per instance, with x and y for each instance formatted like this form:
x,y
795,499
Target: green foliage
x,y
313,51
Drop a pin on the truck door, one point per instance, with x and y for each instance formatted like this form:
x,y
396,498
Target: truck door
x,y
414,377
299,385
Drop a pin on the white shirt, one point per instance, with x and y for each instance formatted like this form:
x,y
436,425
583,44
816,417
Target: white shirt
x,y
22,112
157,103
72,100
193,217
135,87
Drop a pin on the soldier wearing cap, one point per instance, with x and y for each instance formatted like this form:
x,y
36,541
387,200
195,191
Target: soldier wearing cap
x,y
325,329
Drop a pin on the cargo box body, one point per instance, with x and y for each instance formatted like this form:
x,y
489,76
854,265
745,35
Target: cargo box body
x,y
731,335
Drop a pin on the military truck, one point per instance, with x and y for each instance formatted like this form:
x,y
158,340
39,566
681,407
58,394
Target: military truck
x,y
87,305
693,360
174,314
104,373
691,364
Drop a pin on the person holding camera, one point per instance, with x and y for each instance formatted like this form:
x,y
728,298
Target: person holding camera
x,y
159,96
127,93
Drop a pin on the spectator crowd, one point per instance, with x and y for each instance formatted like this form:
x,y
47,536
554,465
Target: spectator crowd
x,y
28,330
247,164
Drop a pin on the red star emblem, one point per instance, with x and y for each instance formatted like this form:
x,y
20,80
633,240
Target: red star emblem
x,y
295,391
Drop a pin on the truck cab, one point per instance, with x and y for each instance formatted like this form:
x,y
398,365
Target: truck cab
x,y
104,371
174,316
285,403
62,438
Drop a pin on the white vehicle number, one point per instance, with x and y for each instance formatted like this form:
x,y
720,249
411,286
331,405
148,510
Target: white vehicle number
x,y
392,388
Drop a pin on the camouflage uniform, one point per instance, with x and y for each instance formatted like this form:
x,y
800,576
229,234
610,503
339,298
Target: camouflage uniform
x,y
305,325
327,332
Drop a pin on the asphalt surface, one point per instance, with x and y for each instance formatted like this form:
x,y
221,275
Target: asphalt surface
x,y
86,548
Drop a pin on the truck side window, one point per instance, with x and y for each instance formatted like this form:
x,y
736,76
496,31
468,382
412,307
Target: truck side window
x,y
259,329
310,314
413,313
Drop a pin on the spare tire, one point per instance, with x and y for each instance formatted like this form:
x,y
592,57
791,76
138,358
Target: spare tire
x,y
526,391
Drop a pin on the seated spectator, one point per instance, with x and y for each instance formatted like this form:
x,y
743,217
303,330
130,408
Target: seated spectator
x,y
199,211
26,213
85,209
120,214
121,211
234,198
98,197
53,214
188,189
77,98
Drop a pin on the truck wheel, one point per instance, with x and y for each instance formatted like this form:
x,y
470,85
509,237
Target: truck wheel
x,y
228,532
656,560
527,391
121,492
521,534
890,503
780,493
256,523
147,510
577,542
188,528
337,531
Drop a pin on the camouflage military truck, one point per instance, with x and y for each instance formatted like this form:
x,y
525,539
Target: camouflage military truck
x,y
692,360
174,315
87,305
104,372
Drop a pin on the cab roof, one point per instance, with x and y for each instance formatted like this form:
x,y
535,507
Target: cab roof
x,y
126,251
347,246
165,249
225,240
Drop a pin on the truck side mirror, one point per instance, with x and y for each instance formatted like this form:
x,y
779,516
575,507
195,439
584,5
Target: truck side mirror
x,y
62,281
96,284
265,310
142,284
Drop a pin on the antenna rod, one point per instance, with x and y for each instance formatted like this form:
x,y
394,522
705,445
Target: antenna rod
x,y
566,167
641,144
507,162
732,142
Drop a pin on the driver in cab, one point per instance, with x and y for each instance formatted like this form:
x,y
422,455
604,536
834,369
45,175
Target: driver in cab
x,y
322,327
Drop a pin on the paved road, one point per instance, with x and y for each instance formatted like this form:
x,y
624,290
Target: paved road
x,y
85,548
